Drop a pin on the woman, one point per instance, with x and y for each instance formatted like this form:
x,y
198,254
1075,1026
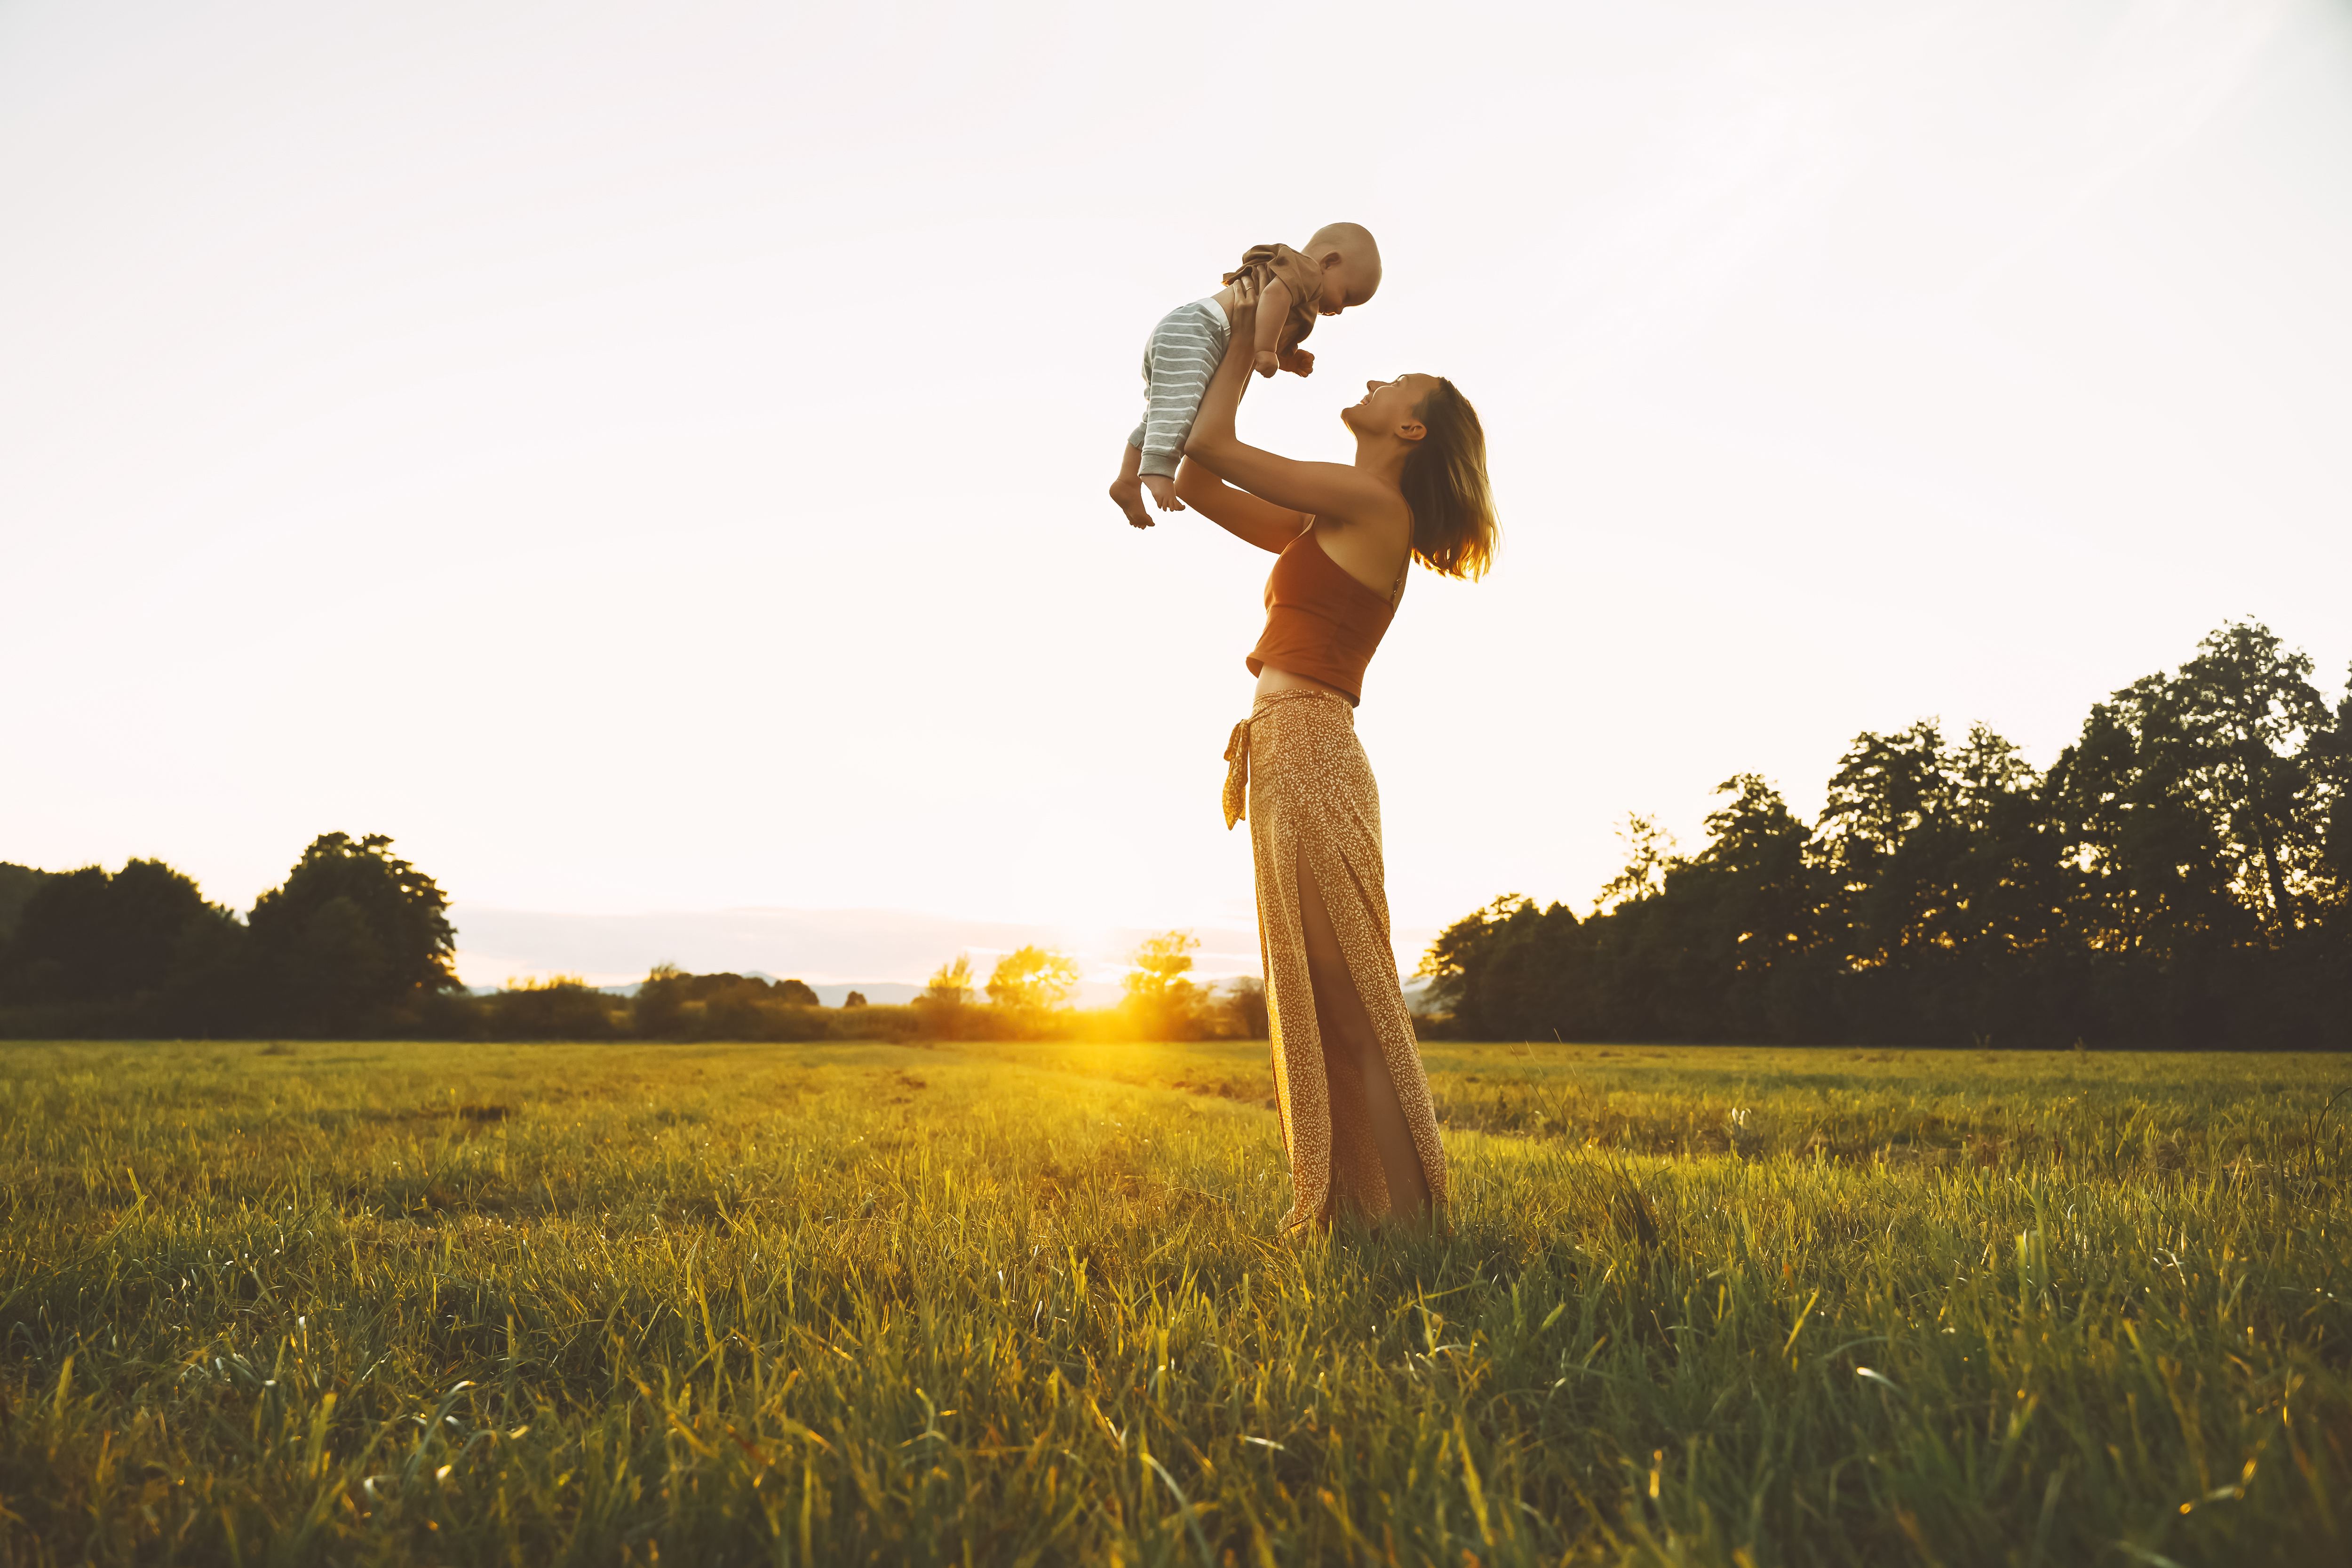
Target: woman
x,y
1356,1115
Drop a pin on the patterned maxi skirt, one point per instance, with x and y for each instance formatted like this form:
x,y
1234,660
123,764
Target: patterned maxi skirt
x,y
1312,804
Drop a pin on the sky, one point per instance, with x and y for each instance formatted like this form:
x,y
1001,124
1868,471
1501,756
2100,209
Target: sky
x,y
650,460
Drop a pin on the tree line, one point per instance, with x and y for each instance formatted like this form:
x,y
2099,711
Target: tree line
x,y
357,943
1027,997
2179,877
356,940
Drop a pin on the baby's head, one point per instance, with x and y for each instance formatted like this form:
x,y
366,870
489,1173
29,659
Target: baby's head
x,y
1351,263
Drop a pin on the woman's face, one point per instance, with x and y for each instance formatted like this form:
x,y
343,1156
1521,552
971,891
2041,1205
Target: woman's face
x,y
1390,406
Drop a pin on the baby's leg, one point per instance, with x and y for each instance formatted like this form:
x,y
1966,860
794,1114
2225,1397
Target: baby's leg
x,y
1177,363
1163,491
1128,488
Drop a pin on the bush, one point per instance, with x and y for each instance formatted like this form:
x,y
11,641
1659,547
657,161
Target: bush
x,y
562,1007
1244,1011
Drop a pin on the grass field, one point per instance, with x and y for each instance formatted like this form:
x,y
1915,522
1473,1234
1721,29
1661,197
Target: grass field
x,y
1016,1304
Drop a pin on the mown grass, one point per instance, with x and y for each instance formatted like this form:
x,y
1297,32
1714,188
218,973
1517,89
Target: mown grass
x,y
1014,1303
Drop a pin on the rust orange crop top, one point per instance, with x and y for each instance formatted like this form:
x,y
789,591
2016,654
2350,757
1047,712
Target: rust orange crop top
x,y
1319,622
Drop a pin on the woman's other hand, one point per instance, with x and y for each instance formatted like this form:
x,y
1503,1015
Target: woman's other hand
x,y
1244,321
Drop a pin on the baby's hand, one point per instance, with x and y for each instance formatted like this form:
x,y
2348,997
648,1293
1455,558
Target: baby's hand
x,y
1264,362
1298,362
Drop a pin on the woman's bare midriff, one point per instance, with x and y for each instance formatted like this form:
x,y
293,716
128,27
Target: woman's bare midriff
x,y
1270,679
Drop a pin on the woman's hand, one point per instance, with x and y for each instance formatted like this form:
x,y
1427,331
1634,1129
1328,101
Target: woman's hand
x,y
1244,310
1291,492
1287,494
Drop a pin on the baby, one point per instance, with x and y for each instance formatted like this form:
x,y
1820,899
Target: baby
x,y
1340,267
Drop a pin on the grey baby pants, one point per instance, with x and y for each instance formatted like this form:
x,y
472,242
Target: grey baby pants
x,y
1178,361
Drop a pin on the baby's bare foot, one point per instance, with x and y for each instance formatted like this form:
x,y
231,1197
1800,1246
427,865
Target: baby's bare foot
x,y
1128,493
1163,492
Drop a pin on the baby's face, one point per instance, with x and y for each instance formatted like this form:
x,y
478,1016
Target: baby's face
x,y
1348,281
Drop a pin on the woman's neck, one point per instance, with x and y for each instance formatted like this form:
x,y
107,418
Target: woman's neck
x,y
1383,455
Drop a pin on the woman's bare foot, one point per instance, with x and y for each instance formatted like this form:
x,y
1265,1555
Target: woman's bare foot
x,y
1163,492
1127,490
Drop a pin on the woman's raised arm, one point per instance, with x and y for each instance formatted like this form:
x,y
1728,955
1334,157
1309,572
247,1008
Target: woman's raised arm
x,y
1335,493
1238,512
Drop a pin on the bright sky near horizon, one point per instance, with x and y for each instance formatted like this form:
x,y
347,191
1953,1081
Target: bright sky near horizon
x,y
652,459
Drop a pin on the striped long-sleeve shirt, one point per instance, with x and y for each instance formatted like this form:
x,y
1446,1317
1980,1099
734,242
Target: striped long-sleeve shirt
x,y
1178,361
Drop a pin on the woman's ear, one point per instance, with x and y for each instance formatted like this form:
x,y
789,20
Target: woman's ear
x,y
1412,430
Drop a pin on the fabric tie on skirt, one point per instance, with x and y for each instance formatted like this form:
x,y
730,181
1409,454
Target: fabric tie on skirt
x,y
1237,750
1237,775
1294,767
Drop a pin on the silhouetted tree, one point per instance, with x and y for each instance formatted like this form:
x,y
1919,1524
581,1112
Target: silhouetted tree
x,y
1246,1008
1649,852
1747,911
1499,971
1938,878
2182,875
212,986
944,1002
1030,983
2331,760
2248,716
1160,1002
354,934
88,936
655,1011
16,885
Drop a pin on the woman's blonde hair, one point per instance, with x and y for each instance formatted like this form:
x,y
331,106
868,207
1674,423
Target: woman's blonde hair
x,y
1444,482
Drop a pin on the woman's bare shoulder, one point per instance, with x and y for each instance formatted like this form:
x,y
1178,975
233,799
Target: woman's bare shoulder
x,y
1373,550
